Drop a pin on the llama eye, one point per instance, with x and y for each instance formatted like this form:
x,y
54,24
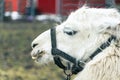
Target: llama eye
x,y
70,32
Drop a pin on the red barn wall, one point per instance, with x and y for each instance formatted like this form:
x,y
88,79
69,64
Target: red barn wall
x,y
15,5
49,6
11,5
46,6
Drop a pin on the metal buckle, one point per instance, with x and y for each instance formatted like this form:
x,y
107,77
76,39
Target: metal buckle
x,y
81,63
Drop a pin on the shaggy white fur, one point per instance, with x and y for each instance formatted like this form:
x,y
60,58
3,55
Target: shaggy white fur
x,y
93,27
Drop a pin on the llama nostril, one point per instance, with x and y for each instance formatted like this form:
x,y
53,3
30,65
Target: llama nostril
x,y
34,45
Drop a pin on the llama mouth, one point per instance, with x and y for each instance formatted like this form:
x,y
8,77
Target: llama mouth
x,y
38,56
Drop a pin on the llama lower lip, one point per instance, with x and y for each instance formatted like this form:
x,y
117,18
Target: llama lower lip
x,y
37,59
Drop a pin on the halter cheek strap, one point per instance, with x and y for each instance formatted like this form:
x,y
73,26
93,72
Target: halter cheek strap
x,y
54,52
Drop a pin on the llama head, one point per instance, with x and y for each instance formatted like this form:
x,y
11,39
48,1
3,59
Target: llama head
x,y
80,35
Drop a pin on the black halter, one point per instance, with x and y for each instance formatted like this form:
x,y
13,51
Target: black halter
x,y
77,64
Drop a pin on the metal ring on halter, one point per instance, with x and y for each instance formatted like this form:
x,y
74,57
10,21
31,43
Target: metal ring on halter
x,y
67,71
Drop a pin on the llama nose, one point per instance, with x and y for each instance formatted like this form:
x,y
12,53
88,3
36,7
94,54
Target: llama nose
x,y
34,45
37,54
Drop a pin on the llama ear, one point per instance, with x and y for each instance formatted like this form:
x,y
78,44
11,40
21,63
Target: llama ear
x,y
110,26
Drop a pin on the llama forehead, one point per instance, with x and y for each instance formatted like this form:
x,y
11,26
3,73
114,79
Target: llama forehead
x,y
91,18
96,11
92,13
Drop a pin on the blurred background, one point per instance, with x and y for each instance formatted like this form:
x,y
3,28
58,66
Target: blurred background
x,y
21,21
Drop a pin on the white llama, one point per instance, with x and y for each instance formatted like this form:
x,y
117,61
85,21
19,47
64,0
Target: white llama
x,y
84,32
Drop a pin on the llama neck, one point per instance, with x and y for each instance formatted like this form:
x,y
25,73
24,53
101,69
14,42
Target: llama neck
x,y
104,66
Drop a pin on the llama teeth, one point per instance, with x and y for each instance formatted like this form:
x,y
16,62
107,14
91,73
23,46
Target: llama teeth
x,y
34,57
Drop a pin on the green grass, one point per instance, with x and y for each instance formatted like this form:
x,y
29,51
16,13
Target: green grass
x,y
15,48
